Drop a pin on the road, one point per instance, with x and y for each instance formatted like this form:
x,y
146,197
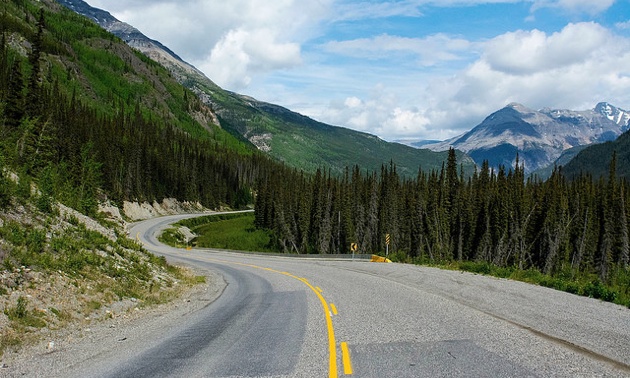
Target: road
x,y
293,317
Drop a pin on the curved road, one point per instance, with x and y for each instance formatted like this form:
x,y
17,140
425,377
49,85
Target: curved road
x,y
293,317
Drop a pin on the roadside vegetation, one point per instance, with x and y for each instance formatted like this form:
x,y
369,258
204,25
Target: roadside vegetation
x,y
584,285
573,235
233,232
60,269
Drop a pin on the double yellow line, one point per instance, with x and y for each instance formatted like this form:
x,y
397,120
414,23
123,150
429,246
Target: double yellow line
x,y
328,311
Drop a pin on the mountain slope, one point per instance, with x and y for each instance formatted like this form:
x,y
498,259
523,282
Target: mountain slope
x,y
539,137
595,160
285,135
88,117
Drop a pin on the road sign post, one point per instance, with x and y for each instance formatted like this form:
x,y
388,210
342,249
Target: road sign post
x,y
354,247
387,240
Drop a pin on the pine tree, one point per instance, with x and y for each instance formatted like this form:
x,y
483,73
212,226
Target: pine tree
x,y
14,108
33,98
624,253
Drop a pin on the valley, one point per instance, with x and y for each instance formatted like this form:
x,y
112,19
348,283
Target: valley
x,y
102,127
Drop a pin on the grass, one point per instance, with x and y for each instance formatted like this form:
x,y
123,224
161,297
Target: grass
x,y
237,233
231,231
99,271
584,284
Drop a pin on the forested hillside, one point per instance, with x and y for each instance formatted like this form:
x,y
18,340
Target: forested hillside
x,y
574,230
83,114
595,159
297,140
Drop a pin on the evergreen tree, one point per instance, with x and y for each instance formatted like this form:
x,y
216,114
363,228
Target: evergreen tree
x,y
14,108
33,98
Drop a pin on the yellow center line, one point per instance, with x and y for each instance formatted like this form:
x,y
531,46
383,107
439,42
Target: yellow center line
x,y
345,356
332,346
319,289
333,308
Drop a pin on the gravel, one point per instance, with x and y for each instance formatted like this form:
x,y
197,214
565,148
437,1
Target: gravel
x,y
67,350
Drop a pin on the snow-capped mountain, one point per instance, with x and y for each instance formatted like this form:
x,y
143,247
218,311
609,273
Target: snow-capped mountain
x,y
538,137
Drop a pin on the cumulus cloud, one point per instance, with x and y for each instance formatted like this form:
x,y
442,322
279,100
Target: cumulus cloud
x,y
231,41
526,52
573,68
242,53
379,113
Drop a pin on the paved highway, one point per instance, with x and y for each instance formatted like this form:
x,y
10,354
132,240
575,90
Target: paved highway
x,y
293,317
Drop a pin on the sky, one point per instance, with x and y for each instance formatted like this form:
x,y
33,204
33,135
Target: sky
x,y
400,69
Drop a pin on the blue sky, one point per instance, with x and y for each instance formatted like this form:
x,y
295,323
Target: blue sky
x,y
414,69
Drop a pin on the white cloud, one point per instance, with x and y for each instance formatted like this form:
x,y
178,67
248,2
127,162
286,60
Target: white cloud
x,y
575,6
623,25
242,53
429,50
574,68
525,52
380,113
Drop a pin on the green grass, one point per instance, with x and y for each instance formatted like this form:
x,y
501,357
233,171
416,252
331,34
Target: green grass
x,y
588,285
234,231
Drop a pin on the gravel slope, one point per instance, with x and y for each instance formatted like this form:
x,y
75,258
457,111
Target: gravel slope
x,y
71,349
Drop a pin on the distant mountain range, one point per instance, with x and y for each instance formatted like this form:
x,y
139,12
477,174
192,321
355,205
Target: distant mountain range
x,y
538,137
290,137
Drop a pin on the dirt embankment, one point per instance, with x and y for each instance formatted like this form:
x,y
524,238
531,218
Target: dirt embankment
x,y
50,307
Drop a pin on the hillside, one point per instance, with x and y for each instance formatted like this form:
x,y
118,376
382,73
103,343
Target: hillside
x,y
84,119
538,137
287,136
595,160
94,118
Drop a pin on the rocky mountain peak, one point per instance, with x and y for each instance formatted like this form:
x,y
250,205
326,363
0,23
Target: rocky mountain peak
x,y
539,137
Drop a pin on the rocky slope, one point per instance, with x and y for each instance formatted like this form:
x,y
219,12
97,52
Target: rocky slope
x,y
538,137
65,272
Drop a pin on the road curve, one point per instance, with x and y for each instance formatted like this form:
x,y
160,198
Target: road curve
x,y
292,317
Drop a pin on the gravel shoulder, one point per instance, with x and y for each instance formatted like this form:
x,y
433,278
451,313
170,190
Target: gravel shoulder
x,y
64,352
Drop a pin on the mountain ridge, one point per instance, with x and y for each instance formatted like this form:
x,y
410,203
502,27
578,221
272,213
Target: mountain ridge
x,y
285,135
539,137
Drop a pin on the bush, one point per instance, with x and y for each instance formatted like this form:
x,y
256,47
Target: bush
x,y
595,289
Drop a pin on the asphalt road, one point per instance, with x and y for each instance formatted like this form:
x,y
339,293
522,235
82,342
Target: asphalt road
x,y
293,317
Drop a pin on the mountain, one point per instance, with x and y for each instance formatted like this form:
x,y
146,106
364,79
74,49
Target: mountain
x,y
538,137
88,118
297,140
595,160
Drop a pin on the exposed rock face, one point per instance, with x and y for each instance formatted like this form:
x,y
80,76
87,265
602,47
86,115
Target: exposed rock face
x,y
538,137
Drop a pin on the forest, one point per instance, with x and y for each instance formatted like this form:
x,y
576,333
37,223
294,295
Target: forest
x,y
559,227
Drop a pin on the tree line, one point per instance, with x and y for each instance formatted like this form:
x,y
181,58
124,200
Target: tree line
x,y
557,226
